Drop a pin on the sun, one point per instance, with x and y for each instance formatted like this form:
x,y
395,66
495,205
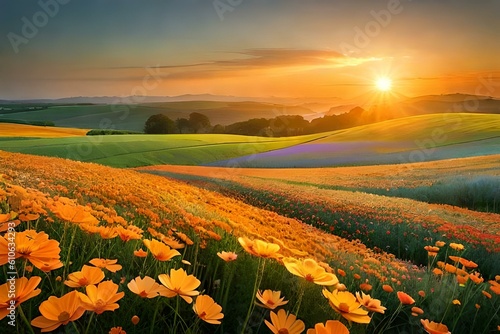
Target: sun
x,y
384,84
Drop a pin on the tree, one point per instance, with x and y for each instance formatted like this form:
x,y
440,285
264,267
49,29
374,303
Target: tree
x,y
199,123
159,124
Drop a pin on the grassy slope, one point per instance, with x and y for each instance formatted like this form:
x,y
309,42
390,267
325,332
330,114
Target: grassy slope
x,y
133,117
410,139
140,150
22,130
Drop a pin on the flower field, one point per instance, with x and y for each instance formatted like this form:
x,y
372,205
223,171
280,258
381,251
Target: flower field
x,y
93,249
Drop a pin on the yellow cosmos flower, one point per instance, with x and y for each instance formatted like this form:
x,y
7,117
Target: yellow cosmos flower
x,y
227,256
24,289
179,283
102,297
260,248
331,327
370,303
270,299
58,311
160,251
87,276
311,271
283,323
433,327
345,303
208,310
107,264
145,287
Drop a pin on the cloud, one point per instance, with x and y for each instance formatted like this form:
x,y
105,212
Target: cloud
x,y
260,61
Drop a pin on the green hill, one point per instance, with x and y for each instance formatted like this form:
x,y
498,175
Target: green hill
x,y
133,116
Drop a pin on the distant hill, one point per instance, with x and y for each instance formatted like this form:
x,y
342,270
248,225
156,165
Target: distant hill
x,y
133,116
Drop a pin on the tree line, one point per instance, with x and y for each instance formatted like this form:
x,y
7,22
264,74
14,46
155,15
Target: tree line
x,y
280,126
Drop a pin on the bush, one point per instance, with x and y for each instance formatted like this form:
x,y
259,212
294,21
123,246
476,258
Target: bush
x,y
101,132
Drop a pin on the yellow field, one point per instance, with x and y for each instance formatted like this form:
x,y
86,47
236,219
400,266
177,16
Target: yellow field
x,y
22,130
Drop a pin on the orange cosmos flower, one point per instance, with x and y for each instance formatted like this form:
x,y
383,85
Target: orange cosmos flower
x,y
160,251
495,287
345,303
437,271
102,297
405,298
370,303
7,220
462,279
449,268
387,288
179,283
431,249
310,270
285,323
421,293
440,243
456,302
260,248
135,320
331,327
145,287
107,264
475,278
457,247
486,294
417,310
208,310
270,299
227,256
434,328
87,276
140,253
365,287
468,264
117,330
34,246
73,214
24,289
58,311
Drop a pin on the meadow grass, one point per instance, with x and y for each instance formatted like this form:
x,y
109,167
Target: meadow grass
x,y
140,150
88,209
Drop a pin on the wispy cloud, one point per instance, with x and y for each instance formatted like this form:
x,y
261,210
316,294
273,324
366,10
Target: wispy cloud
x,y
261,61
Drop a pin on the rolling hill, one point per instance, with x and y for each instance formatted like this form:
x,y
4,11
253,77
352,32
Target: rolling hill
x,y
133,116
411,139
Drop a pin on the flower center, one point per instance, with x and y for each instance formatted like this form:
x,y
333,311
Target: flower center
x,y
83,281
309,278
343,307
283,331
99,306
63,317
270,303
203,315
143,294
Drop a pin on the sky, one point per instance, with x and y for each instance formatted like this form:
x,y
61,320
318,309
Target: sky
x,y
254,48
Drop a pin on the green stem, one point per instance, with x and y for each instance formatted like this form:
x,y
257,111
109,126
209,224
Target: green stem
x,y
301,294
491,318
176,313
23,316
258,280
90,322
69,252
154,316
